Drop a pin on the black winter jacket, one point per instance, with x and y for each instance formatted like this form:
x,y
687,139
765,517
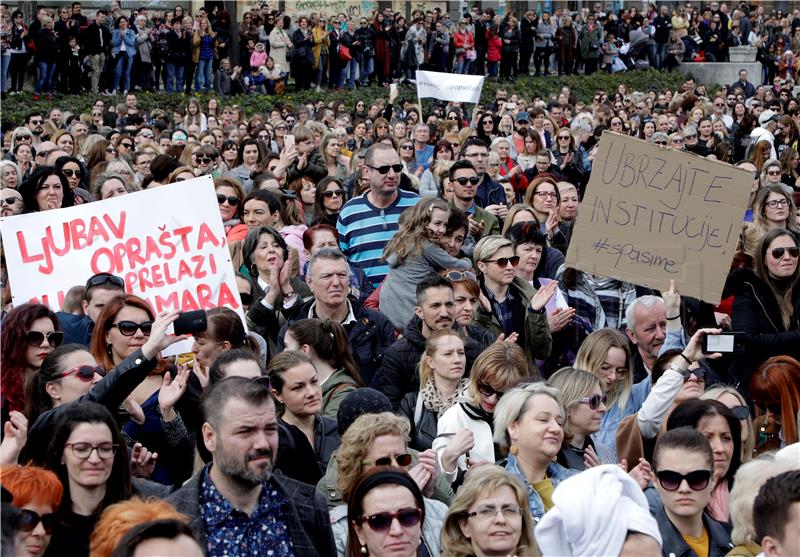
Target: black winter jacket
x,y
423,432
399,373
370,336
757,315
297,459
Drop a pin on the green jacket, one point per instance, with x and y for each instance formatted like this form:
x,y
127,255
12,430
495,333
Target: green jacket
x,y
328,489
536,334
335,388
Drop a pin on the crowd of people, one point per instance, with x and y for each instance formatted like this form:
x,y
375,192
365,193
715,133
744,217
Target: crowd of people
x,y
116,51
417,372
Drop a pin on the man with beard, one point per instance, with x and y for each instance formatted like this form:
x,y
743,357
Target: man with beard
x,y
236,502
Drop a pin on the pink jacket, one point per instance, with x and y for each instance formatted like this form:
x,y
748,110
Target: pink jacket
x,y
258,59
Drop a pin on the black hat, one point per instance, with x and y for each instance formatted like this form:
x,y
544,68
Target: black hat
x,y
359,402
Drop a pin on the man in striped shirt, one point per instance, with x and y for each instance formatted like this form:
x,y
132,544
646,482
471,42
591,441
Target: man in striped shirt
x,y
367,222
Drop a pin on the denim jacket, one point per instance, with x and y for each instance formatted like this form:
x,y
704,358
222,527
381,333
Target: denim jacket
x,y
555,471
129,38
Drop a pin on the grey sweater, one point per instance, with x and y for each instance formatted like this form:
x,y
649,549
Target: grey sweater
x,y
399,289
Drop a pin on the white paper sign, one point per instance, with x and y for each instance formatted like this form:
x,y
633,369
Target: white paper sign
x,y
449,87
168,244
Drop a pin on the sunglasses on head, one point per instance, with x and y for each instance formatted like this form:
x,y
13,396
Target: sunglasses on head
x,y
488,391
400,460
464,180
456,276
231,199
504,261
129,328
329,194
594,401
381,522
103,278
29,520
85,373
671,481
398,168
741,412
35,338
777,253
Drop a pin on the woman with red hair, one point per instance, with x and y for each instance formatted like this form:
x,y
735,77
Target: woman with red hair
x,y
775,389
30,332
37,494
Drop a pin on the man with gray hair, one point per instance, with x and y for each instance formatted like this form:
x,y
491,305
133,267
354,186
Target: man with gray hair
x,y
237,501
370,332
646,327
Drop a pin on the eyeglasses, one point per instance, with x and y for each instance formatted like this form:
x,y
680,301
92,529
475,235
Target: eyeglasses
x,y
400,460
488,391
398,168
69,173
775,203
29,520
671,481
337,193
457,276
464,180
488,512
777,253
231,199
504,261
84,450
593,401
381,522
9,200
129,328
84,373
546,194
35,338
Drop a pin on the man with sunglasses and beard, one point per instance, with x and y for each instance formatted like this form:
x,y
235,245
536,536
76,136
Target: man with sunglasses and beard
x,y
238,501
100,290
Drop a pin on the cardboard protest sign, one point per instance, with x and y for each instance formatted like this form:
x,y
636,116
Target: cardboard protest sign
x,y
168,244
449,87
651,214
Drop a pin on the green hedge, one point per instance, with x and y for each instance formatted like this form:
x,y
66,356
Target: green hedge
x,y
15,107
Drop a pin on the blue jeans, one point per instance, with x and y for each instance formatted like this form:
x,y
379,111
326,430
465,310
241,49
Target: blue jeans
x,y
365,68
350,69
45,81
202,75
661,56
323,63
122,72
174,77
492,68
6,63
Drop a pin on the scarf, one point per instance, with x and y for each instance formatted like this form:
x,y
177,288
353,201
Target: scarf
x,y
477,413
719,504
432,398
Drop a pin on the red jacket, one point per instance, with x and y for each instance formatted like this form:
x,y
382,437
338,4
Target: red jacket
x,y
494,46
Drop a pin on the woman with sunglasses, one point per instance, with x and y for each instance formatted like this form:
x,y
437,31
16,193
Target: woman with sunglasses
x,y
373,441
412,255
683,462
306,439
230,197
514,305
385,516
327,346
328,201
70,373
442,381
73,169
775,390
30,333
584,406
766,308
464,431
88,454
163,423
36,493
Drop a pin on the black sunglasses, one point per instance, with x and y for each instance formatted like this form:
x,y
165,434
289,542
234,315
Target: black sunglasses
x,y
400,460
10,200
671,481
231,199
129,328
29,520
488,391
103,278
204,160
504,261
398,168
464,180
35,338
777,253
381,522
741,412
69,173
329,194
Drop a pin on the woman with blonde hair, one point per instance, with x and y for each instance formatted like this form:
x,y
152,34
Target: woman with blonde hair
x,y
733,399
773,208
606,354
491,501
412,255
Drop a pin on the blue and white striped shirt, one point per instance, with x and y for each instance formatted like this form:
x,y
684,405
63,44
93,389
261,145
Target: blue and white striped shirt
x,y
364,231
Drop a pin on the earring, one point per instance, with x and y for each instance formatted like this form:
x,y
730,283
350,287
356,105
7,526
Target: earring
x,y
364,550
513,450
108,350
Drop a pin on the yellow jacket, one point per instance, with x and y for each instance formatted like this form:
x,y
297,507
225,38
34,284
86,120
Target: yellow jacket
x,y
320,37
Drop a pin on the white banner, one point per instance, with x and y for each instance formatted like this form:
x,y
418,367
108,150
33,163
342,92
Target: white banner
x,y
168,244
449,87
